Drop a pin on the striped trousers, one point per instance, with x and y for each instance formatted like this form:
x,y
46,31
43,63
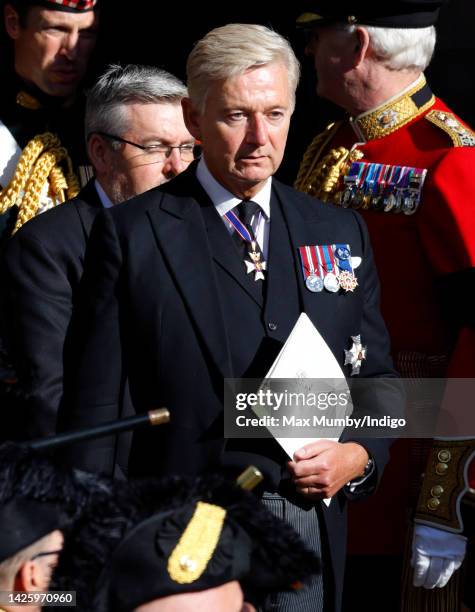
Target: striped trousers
x,y
304,519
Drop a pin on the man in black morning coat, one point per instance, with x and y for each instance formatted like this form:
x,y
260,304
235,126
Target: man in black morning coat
x,y
169,304
42,264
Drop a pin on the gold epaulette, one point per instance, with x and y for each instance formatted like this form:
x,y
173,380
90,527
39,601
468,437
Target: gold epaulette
x,y
460,135
444,484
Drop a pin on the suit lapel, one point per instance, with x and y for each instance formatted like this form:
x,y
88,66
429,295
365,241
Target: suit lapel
x,y
226,254
181,235
89,195
88,204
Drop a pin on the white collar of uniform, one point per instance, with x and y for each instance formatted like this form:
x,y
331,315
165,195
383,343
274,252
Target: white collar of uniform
x,y
223,199
103,197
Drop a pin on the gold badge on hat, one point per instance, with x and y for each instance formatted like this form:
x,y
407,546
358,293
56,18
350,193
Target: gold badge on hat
x,y
197,543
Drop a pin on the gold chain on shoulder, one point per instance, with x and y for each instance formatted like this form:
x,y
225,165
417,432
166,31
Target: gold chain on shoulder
x,y
312,155
329,172
321,177
39,163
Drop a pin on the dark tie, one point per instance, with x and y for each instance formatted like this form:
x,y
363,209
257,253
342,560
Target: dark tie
x,y
246,210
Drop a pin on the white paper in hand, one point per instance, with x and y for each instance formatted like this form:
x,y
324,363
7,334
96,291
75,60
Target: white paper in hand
x,y
305,354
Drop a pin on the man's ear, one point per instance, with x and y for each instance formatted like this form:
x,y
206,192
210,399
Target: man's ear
x,y
361,45
12,21
192,118
25,579
99,154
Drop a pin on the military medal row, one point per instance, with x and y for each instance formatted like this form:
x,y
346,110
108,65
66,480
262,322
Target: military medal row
x,y
383,187
328,266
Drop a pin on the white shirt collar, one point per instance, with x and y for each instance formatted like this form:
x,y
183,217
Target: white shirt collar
x,y
223,199
104,198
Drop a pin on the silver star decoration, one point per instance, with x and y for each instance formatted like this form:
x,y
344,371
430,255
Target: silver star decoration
x,y
355,355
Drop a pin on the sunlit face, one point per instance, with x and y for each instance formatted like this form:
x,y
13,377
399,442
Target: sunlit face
x,y
131,170
53,49
224,598
333,52
244,127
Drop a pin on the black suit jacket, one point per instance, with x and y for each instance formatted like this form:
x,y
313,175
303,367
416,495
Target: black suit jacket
x,y
152,312
41,267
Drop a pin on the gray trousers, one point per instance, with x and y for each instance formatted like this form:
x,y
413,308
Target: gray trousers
x,y
305,521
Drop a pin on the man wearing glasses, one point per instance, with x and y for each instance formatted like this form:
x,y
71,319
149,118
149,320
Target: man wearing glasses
x,y
136,140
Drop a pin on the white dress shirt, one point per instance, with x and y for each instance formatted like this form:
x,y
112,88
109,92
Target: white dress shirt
x,y
224,201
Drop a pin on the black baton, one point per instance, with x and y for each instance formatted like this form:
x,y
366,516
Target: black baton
x,y
158,416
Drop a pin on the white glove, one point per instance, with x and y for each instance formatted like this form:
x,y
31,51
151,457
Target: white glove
x,y
436,555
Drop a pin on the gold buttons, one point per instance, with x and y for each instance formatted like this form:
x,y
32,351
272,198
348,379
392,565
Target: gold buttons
x,y
444,455
433,503
437,491
441,468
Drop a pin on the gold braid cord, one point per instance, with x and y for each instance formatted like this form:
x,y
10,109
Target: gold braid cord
x,y
322,177
39,163
313,153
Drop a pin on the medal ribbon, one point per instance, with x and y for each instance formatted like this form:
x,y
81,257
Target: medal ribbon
x,y
240,228
308,258
374,180
354,175
253,249
343,264
326,259
369,178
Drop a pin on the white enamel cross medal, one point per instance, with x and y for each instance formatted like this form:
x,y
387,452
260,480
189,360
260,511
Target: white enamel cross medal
x,y
255,265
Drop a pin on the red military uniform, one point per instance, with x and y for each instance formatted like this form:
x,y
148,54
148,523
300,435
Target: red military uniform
x,y
424,260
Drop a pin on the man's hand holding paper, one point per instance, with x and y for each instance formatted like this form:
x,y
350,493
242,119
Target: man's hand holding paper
x,y
321,468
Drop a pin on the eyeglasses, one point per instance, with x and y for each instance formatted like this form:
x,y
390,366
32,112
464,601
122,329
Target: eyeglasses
x,y
158,152
45,554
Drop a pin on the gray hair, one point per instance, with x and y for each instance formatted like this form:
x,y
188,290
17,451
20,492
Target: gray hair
x,y
232,50
118,86
402,48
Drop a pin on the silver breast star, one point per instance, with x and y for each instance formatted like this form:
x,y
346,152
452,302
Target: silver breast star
x,y
355,355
